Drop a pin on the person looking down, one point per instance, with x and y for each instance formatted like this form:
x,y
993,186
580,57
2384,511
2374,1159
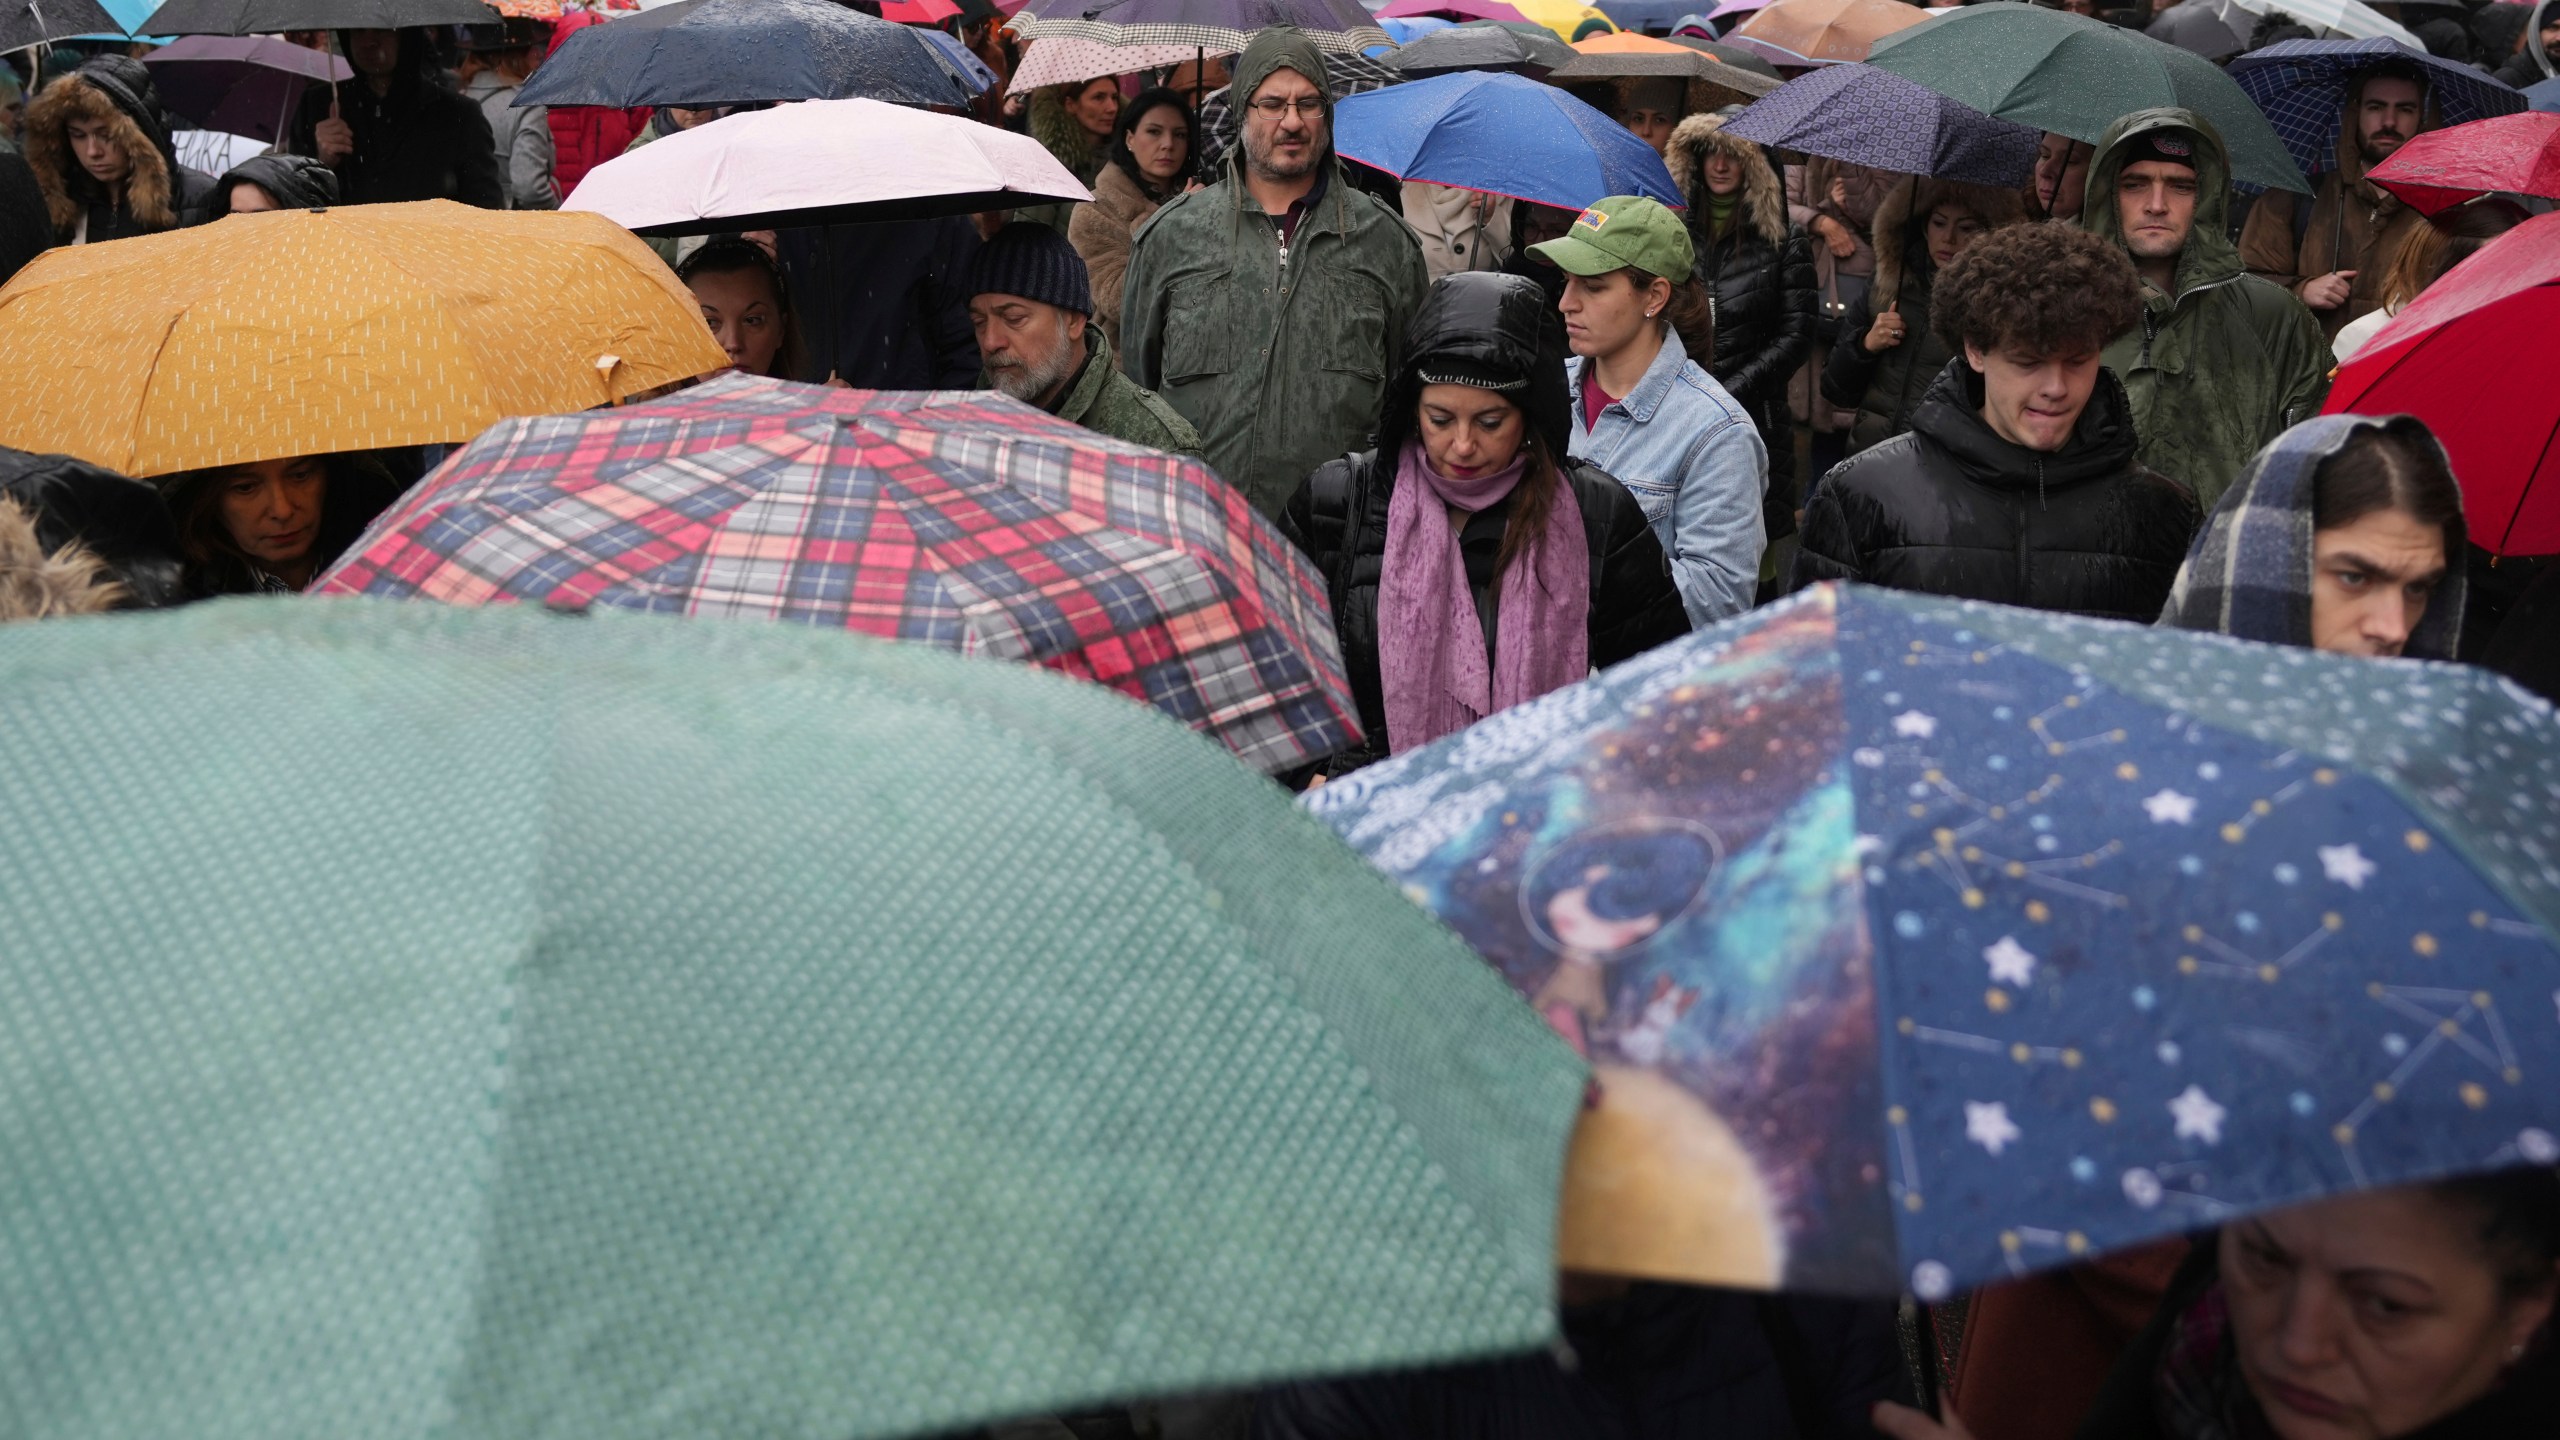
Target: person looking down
x,y
740,288
98,143
270,526
1031,310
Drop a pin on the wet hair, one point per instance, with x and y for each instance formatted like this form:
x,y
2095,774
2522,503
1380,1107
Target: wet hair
x,y
735,255
2396,465
2519,1215
2045,289
2432,250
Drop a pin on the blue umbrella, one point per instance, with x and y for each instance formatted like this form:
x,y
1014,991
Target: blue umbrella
x,y
1878,119
726,52
1505,134
973,71
2544,94
1941,942
2302,86
1405,29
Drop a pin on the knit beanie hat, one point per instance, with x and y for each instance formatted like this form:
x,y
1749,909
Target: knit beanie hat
x,y
1035,262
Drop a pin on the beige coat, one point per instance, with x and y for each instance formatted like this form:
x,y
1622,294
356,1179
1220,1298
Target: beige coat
x,y
1460,230
1100,232
2354,225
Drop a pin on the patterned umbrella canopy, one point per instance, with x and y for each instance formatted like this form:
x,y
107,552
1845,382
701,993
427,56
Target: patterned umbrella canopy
x,y
522,1025
1919,943
966,521
1876,118
2302,87
1216,26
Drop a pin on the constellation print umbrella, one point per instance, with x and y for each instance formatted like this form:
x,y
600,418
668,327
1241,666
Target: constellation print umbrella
x,y
968,522
1920,943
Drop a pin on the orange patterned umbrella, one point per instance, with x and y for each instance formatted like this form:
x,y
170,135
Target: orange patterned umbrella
x,y
545,10
1823,32
303,332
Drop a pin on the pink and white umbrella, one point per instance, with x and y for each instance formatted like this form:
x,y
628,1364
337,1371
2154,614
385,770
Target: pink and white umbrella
x,y
1066,60
822,162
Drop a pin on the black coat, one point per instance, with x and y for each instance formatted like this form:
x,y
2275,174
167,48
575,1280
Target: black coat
x,y
1665,1362
122,521
1885,388
26,231
1951,508
1764,299
885,307
421,141
1339,516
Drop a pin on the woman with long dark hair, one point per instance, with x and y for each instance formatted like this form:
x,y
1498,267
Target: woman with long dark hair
x,y
748,307
1152,159
271,526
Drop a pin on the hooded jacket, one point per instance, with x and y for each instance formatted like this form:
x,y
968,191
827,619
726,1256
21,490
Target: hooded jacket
x,y
2221,363
1063,137
1883,387
1951,508
159,193
1760,280
2353,224
585,136
1276,358
120,520
1339,517
417,141
2534,62
294,182
1100,232
2249,572
1106,402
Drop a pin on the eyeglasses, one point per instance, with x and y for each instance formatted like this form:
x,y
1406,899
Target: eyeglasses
x,y
1307,106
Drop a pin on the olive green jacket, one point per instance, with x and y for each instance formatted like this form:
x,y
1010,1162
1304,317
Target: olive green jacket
x,y
1106,402
2226,363
1280,364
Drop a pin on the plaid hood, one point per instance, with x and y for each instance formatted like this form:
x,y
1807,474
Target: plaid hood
x,y
2248,574
2210,257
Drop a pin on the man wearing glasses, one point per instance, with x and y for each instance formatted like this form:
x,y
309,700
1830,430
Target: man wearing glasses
x,y
1270,307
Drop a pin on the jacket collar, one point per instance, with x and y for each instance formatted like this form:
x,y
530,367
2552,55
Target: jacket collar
x,y
1085,390
1650,391
1950,416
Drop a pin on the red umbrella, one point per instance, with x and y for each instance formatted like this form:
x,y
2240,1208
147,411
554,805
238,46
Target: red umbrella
x,y
918,12
2471,358
2436,171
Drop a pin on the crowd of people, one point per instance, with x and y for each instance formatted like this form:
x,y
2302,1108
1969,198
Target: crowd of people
x,y
1517,443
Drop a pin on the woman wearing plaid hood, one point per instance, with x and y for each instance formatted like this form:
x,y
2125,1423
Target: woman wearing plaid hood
x,y
2344,534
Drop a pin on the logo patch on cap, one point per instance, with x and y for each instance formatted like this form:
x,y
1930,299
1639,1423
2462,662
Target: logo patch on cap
x,y
1592,218
2171,145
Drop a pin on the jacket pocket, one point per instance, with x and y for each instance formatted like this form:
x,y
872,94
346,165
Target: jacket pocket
x,y
1198,340
1351,317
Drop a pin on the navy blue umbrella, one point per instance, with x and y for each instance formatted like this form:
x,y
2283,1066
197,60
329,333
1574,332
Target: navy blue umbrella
x,y
1878,119
2302,87
698,53
1650,17
1504,134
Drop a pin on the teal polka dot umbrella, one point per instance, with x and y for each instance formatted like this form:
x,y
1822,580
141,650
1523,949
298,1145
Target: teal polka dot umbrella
x,y
474,1023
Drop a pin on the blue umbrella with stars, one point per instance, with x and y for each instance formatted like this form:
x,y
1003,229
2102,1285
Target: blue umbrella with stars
x,y
1919,943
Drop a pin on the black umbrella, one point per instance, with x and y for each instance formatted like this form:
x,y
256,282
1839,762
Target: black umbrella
x,y
1482,45
698,53
272,17
33,22
1729,54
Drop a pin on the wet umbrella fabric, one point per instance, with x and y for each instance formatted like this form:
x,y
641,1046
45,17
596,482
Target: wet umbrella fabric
x,y
973,72
1217,26
1822,32
1479,45
273,17
632,1054
2452,360
2351,19
1503,134
1064,60
2302,87
2544,95
26,23
241,85
2075,76
2436,171
2202,27
1920,943
727,52
1712,84
1733,55
1878,119
969,522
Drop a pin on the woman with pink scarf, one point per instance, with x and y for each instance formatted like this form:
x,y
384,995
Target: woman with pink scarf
x,y
1471,563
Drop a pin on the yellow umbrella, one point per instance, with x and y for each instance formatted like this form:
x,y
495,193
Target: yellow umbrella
x,y
1565,17
302,332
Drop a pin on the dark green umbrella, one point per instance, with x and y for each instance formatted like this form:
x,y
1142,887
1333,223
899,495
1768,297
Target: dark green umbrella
x,y
484,1023
2076,76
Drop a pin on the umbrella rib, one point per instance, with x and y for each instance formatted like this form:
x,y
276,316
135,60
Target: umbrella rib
x,y
2542,463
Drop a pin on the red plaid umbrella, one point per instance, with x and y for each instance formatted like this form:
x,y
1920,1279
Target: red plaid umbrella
x,y
964,520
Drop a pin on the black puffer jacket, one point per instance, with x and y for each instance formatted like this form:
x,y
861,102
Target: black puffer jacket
x,y
421,141
1339,516
293,182
121,520
1951,508
1884,388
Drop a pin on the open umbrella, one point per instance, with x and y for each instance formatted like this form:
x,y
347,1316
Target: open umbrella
x,y
2302,87
973,72
2518,154
1452,10
918,12
1481,45
1064,60
273,17
2544,95
1822,32
239,84
1214,26
2351,19
2214,29
725,52
821,163
1878,119
25,23
2076,76
1650,17
1733,55
713,1030
303,332
970,522
1569,19
1712,84
2470,357
1920,943
1505,134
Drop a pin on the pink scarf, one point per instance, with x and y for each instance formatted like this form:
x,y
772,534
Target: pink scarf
x,y
1431,661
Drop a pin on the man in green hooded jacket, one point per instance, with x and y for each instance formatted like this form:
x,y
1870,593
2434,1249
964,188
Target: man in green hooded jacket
x,y
2221,361
1270,307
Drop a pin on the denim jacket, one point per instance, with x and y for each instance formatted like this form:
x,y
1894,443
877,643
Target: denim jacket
x,y
1695,464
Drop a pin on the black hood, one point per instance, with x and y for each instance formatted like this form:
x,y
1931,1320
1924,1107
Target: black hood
x,y
122,521
1950,414
1488,323
127,84
294,182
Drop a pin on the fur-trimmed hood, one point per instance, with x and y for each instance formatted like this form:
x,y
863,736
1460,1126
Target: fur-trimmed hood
x,y
1900,244
115,91
1764,199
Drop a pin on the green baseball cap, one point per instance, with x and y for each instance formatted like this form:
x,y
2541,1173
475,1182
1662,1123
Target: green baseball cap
x,y
1623,231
